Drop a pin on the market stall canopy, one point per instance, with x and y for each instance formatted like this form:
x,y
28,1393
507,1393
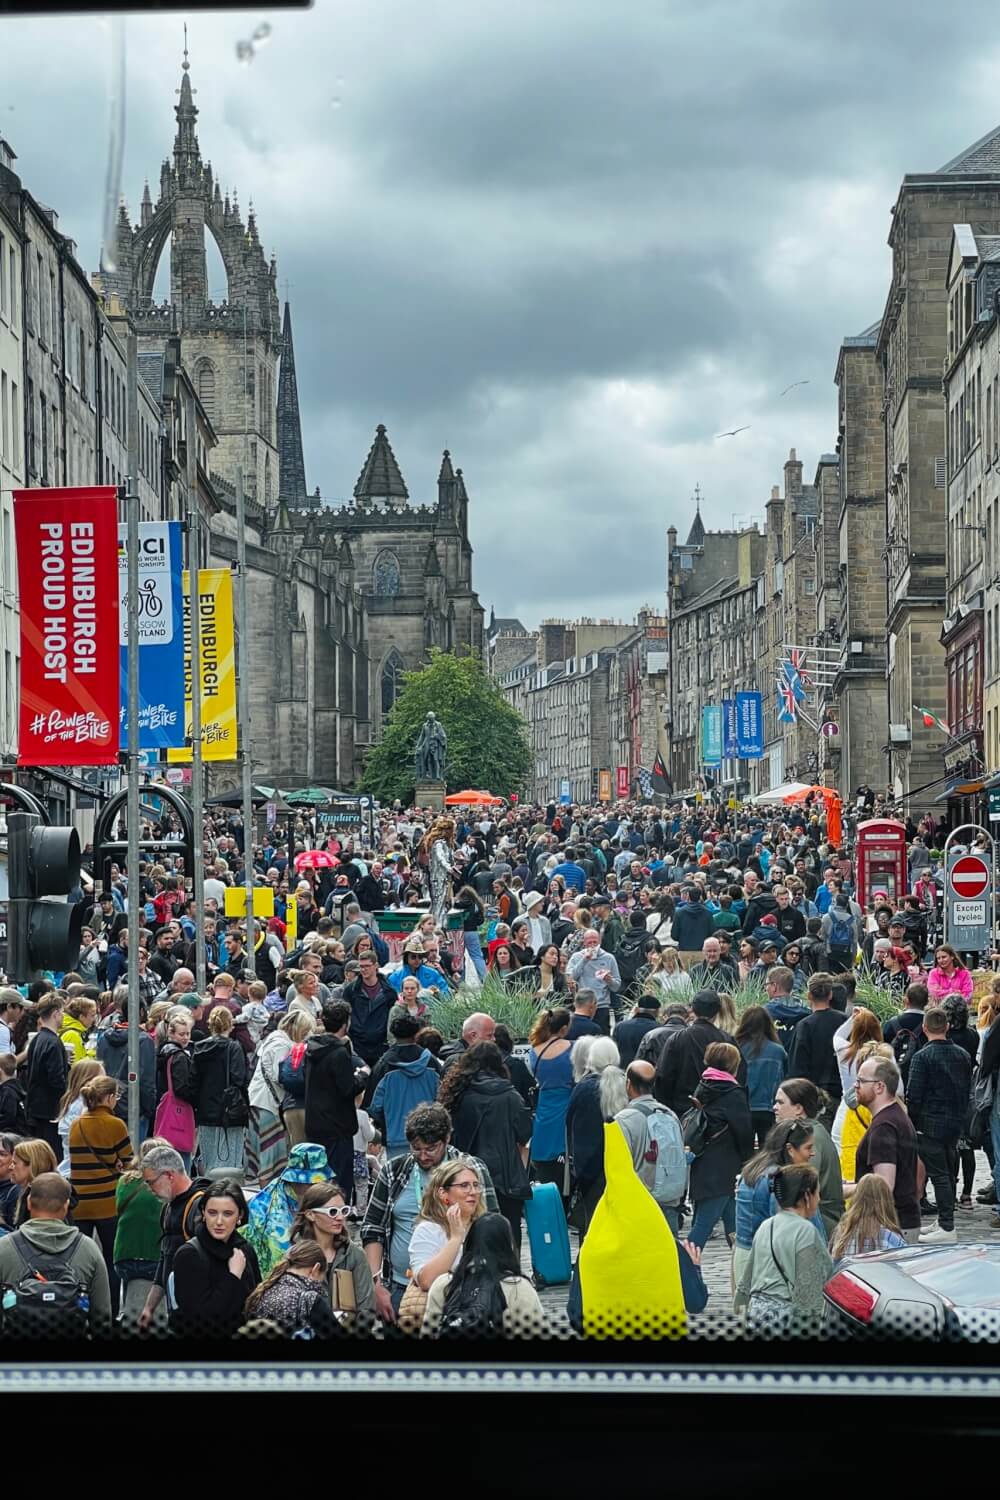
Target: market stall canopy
x,y
258,795
471,799
788,791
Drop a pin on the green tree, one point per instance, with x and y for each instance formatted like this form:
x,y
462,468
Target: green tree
x,y
487,739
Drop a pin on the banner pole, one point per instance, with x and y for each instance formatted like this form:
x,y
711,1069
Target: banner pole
x,y
243,713
131,495
197,759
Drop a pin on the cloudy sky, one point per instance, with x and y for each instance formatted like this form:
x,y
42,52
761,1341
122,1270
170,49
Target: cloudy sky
x,y
568,240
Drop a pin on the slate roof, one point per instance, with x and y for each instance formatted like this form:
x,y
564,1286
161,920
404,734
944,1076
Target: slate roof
x,y
380,476
151,374
507,626
867,339
982,156
696,536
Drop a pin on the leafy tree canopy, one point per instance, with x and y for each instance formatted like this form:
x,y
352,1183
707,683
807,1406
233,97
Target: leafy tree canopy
x,y
487,739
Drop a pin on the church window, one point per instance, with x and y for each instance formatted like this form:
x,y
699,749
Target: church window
x,y
206,389
392,679
385,575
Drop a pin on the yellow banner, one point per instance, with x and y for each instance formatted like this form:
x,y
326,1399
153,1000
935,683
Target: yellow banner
x,y
236,901
218,666
291,923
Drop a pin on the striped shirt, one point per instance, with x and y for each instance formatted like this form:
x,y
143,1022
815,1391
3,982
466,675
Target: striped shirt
x,y
99,1151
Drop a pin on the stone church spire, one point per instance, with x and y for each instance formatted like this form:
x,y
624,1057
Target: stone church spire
x,y
291,463
187,152
380,478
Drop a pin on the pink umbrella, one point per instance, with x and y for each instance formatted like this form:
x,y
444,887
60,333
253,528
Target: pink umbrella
x,y
314,859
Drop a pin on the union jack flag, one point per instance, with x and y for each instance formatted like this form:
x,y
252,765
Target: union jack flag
x,y
787,702
797,661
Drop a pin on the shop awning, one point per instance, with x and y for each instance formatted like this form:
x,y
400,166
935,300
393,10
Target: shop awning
x,y
960,786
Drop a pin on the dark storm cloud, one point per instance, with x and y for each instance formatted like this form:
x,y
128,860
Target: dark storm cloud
x,y
570,241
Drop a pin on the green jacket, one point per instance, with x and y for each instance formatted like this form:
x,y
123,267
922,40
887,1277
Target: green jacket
x,y
140,1226
612,933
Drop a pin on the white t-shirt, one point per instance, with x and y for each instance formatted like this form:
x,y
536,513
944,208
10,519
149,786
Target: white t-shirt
x,y
6,1038
427,1240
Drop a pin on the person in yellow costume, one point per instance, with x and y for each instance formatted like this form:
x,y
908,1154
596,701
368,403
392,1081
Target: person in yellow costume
x,y
630,1279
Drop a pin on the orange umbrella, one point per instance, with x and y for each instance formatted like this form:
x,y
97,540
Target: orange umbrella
x,y
834,808
471,799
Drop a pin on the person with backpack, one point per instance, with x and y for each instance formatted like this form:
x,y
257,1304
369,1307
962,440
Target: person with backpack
x,y
165,1175
839,930
218,1090
811,1054
632,952
656,1141
718,1133
55,1277
331,1085
905,1032
293,1296
405,1076
682,1060
485,1295
491,1121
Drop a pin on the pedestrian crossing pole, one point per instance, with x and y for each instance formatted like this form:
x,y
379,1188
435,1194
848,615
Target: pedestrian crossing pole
x,y
243,711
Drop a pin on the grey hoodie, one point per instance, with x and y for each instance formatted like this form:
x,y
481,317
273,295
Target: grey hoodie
x,y
53,1236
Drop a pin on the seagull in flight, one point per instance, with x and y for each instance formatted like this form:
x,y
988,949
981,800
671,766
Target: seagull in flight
x,y
792,387
734,432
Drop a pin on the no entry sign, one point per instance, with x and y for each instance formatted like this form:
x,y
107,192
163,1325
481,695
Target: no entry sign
x,y
969,901
970,877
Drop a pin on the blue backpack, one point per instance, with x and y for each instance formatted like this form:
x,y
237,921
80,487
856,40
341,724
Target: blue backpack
x,y
842,931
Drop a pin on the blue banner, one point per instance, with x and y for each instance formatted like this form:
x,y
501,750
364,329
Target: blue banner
x,y
750,725
564,792
730,733
161,635
711,735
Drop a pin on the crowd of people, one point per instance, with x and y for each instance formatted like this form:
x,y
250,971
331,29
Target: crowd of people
x,y
317,1156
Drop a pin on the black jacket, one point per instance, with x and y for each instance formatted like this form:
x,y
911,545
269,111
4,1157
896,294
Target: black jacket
x,y
654,1041
180,1059
369,1018
13,1119
370,894
682,1063
210,1299
48,1069
207,1080
628,1035
812,1055
520,1076
330,1089
937,1090
757,908
163,964
730,1138
490,1122
791,923
585,1132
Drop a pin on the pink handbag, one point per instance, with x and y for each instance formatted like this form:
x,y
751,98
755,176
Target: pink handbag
x,y
174,1117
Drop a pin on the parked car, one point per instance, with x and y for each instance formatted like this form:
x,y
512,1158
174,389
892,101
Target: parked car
x,y
947,1291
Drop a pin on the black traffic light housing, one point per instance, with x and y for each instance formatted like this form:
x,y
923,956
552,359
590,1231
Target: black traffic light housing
x,y
43,867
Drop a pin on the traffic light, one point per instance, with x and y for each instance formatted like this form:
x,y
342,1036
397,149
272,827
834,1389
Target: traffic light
x,y
43,867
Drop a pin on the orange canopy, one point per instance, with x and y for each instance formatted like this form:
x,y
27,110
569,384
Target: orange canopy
x,y
834,806
472,799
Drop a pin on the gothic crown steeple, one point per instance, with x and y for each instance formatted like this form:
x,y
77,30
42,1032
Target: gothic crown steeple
x,y
380,478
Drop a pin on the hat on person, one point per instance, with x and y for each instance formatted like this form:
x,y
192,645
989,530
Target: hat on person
x,y
533,898
307,1164
769,919
601,899
414,944
768,947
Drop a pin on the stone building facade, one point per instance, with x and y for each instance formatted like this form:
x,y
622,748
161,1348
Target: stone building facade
x,y
912,348
11,457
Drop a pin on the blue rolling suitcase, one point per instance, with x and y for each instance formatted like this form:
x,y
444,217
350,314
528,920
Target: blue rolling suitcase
x,y
548,1236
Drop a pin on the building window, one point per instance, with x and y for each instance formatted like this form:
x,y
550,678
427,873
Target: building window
x,y
32,456
45,443
14,289
3,276
206,389
4,418
15,429
392,680
386,576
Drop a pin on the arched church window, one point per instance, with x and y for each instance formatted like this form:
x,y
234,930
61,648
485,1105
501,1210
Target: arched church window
x,y
385,575
206,389
392,680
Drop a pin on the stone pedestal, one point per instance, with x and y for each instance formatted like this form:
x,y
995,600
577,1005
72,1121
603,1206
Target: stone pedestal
x,y
430,794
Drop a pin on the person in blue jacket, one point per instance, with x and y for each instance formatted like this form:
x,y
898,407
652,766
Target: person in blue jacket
x,y
767,1066
788,1144
405,1076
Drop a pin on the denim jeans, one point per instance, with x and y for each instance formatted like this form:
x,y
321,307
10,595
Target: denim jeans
x,y
474,949
707,1213
941,1160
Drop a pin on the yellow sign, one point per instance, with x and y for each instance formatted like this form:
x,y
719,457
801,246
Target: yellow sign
x,y
236,901
218,666
291,924
604,786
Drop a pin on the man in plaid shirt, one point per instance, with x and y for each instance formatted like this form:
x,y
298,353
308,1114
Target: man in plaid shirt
x,y
395,1198
937,1097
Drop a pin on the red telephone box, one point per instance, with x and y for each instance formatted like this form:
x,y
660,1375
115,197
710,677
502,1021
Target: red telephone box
x,y
880,857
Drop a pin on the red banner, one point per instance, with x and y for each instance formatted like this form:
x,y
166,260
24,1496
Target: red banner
x,y
623,781
67,559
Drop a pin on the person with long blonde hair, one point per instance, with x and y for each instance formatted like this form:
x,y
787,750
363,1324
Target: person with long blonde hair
x,y
860,1027
856,1117
71,1104
438,848
870,1222
29,1159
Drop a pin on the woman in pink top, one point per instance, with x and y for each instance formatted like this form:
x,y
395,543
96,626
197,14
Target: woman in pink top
x,y
948,976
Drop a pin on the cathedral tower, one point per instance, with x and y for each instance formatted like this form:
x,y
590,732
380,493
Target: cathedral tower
x,y
231,345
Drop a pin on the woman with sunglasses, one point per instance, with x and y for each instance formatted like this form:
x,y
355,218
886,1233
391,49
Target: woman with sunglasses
x,y
452,1201
323,1217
